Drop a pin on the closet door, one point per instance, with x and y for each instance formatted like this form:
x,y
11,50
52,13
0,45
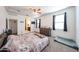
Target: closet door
x,y
21,24
13,26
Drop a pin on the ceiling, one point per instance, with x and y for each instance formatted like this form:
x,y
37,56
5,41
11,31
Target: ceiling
x,y
32,11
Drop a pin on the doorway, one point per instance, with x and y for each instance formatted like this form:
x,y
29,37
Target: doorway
x,y
27,25
13,26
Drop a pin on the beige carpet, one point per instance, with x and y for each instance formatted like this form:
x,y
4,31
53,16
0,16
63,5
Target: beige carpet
x,y
57,47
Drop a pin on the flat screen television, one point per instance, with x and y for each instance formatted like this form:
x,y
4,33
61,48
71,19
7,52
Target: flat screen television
x,y
33,22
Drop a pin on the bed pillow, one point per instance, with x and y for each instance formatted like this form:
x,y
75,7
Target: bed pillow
x,y
39,35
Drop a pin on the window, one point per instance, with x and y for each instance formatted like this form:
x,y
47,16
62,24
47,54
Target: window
x,y
59,21
38,23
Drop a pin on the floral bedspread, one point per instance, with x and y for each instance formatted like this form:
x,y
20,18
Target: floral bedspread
x,y
28,42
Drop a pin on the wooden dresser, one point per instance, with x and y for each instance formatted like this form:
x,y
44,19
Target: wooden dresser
x,y
45,31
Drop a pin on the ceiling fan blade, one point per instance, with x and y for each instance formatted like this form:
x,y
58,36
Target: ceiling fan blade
x,y
39,10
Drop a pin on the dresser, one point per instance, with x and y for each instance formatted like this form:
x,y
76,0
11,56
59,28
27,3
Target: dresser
x,y
45,31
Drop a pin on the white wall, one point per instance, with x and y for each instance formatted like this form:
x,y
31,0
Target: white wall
x,y
12,17
32,25
46,21
71,19
77,25
21,26
3,16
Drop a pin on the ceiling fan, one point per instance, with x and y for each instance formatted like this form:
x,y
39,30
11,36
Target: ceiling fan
x,y
38,11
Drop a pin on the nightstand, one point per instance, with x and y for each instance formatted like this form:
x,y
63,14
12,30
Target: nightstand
x,y
2,38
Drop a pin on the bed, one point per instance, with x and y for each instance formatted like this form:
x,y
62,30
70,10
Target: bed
x,y
28,42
